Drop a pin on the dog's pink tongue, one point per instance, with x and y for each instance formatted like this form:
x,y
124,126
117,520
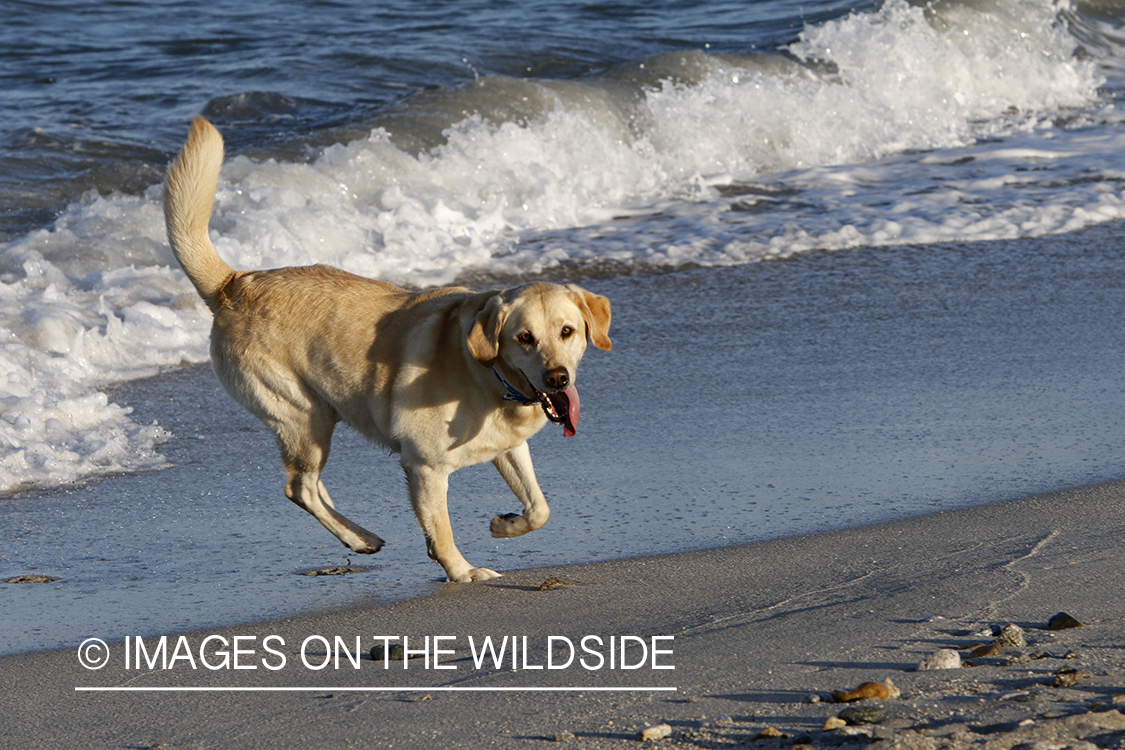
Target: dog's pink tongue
x,y
570,396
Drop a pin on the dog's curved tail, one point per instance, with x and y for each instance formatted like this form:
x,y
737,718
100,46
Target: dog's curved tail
x,y
189,191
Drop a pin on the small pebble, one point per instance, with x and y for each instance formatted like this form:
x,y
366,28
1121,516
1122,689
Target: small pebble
x,y
1011,637
1065,678
850,731
834,722
564,736
1019,695
990,649
945,658
813,698
396,653
862,715
655,732
1062,621
884,690
769,733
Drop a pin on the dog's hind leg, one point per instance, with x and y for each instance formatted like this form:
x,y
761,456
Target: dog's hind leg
x,y
304,453
428,492
302,424
516,468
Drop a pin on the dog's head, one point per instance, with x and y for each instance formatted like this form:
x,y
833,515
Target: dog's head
x,y
535,337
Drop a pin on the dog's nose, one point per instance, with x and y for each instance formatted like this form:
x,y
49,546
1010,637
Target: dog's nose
x,y
558,378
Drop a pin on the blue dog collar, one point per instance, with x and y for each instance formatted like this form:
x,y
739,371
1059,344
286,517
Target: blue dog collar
x,y
513,394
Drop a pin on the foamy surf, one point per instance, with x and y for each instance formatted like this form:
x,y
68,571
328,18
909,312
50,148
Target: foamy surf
x,y
966,122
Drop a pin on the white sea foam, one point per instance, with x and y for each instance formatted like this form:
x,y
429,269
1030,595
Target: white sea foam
x,y
868,132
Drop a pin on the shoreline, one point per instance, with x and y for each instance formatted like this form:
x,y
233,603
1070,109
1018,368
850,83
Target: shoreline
x,y
789,398
756,629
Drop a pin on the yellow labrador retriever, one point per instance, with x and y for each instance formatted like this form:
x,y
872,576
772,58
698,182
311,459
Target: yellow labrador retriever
x,y
446,378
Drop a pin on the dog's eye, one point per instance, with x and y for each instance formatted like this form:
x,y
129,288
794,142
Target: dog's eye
x,y
526,339
567,332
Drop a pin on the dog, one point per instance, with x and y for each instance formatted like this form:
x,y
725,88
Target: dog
x,y
445,378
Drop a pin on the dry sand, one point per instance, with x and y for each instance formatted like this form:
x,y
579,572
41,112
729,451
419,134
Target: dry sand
x,y
757,629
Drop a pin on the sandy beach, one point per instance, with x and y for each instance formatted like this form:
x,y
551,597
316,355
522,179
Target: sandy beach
x,y
850,416
753,632
863,416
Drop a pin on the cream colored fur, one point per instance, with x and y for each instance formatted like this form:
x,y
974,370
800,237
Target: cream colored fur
x,y
305,348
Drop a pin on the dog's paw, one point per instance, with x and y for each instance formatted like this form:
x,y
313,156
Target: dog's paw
x,y
476,574
509,525
366,544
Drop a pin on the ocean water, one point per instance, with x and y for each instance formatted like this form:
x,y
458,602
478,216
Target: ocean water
x,y
644,149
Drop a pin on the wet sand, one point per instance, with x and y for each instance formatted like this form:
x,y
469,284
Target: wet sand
x,y
752,631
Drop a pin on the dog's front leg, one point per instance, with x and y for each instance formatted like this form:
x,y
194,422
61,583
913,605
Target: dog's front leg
x,y
515,466
428,489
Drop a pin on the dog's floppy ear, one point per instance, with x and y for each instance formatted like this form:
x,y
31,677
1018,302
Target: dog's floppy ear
x,y
484,335
595,312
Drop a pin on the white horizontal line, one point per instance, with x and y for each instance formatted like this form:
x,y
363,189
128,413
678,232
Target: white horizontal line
x,y
329,688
